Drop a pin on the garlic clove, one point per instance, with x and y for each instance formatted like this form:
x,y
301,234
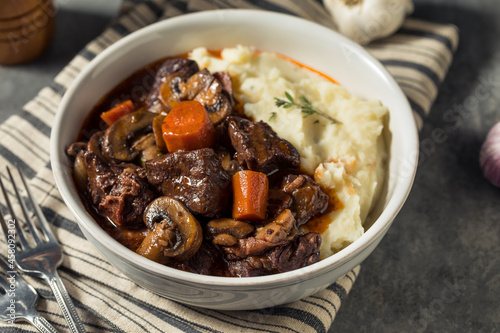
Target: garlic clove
x,y
489,156
367,20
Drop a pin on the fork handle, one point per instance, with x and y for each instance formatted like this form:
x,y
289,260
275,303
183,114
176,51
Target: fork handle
x,y
66,304
43,325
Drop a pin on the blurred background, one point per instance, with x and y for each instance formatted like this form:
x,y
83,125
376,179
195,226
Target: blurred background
x,y
77,23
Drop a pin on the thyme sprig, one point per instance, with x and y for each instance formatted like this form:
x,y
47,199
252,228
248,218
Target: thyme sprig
x,y
306,107
273,116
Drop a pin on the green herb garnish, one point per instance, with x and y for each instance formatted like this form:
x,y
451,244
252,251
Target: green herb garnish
x,y
273,116
306,107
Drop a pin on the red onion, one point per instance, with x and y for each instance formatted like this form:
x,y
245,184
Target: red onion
x,y
489,157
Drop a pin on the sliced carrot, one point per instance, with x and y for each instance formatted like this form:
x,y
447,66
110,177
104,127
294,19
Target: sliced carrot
x,y
250,190
117,112
187,127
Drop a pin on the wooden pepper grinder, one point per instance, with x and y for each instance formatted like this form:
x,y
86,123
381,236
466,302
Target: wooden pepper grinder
x,y
26,28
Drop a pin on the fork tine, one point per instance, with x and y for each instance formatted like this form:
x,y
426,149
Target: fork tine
x,y
3,284
6,268
4,225
23,242
47,231
5,265
29,221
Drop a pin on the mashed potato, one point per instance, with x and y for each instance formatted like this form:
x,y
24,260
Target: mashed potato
x,y
347,158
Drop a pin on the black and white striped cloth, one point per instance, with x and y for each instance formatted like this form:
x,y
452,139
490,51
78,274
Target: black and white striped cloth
x,y
418,56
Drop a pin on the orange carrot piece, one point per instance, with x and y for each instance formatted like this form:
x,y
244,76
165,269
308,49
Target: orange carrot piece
x,y
187,127
112,115
250,190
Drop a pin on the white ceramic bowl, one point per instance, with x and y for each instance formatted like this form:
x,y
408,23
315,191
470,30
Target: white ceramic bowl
x,y
307,42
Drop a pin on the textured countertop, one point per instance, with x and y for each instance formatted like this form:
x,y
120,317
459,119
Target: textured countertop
x,y
438,268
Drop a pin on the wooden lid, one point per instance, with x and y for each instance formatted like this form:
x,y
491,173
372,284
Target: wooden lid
x,y
24,38
43,11
15,9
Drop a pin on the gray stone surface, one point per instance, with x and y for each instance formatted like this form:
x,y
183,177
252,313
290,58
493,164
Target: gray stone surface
x,y
438,268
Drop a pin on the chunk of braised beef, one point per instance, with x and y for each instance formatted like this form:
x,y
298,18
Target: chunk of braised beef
x,y
259,148
183,67
222,138
207,260
195,178
302,251
275,232
101,177
226,81
279,229
248,247
277,201
307,197
120,192
177,65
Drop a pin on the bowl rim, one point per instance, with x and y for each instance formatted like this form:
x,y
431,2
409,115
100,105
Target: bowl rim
x,y
379,226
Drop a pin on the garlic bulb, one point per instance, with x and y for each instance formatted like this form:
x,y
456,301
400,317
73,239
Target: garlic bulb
x,y
489,156
366,20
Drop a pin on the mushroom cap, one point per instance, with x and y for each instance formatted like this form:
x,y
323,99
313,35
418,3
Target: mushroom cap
x,y
117,140
183,235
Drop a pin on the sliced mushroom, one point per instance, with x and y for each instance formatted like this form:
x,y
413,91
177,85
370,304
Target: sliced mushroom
x,y
197,83
117,140
75,148
225,158
215,98
170,93
209,90
174,65
174,231
209,95
155,242
177,81
226,232
158,133
80,173
221,109
146,146
225,240
95,145
231,166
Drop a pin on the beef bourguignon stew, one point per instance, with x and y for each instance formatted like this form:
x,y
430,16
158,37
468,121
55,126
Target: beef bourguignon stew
x,y
176,172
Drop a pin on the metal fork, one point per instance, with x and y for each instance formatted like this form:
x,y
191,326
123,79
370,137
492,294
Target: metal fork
x,y
42,259
18,300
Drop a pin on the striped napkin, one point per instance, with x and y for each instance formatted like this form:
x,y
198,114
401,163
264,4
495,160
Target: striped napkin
x,y
418,56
